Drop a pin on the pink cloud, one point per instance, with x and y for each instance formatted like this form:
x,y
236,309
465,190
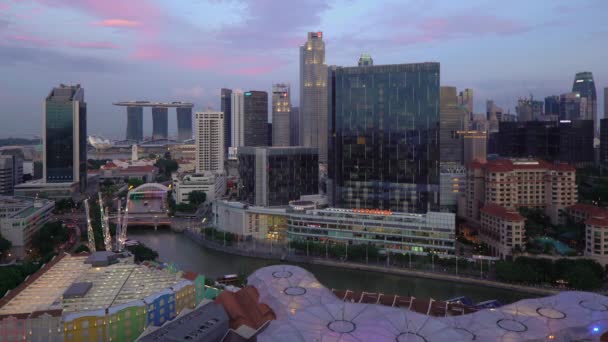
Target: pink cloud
x,y
118,23
29,39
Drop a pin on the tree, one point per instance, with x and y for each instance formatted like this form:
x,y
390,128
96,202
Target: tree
x,y
142,252
166,166
197,197
49,237
82,248
135,182
5,246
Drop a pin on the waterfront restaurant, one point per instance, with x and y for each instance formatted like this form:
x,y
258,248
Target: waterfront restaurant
x,y
432,232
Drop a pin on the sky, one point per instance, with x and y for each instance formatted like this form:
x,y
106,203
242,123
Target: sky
x,y
186,50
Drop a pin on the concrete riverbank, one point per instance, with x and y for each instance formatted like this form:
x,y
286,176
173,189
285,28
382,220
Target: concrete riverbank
x,y
279,255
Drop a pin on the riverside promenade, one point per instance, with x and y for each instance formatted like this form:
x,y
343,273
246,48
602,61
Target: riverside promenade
x,y
281,253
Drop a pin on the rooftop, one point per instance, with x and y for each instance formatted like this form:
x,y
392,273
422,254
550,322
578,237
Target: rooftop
x,y
506,165
115,284
502,212
175,104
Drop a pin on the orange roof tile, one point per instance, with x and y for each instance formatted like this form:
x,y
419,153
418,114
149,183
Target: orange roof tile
x,y
502,212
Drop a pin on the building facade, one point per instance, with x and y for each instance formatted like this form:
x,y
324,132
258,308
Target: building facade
x,y
452,119
226,108
389,231
569,141
572,106
604,142
64,141
294,126
213,184
160,123
465,99
585,86
21,218
184,123
281,114
255,118
515,183
313,95
475,146
384,148
502,230
209,137
273,176
452,179
237,106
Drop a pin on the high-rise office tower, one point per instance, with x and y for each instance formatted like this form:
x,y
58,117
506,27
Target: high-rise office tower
x,y
384,148
528,109
135,123
365,60
184,123
226,108
313,94
604,140
160,123
452,118
475,146
465,99
281,114
584,85
552,105
294,126
606,103
572,106
11,169
237,107
209,137
255,118
64,141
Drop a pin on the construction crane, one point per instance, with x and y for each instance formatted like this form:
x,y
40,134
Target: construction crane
x,y
105,225
121,226
90,234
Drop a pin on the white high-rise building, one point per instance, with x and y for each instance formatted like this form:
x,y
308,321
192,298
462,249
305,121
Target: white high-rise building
x,y
209,135
313,94
237,119
281,112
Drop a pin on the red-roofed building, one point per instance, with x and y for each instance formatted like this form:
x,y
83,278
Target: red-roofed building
x,y
596,229
515,183
502,230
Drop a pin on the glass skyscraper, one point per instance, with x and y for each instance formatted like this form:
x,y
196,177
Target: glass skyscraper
x,y
226,108
135,123
585,86
281,114
65,136
255,120
384,137
313,94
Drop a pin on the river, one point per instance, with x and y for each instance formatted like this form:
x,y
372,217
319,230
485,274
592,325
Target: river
x,y
187,255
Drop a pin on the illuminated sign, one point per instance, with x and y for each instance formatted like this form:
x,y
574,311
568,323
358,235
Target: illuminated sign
x,y
320,34
247,94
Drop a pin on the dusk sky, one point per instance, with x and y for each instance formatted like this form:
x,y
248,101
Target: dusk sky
x,y
187,50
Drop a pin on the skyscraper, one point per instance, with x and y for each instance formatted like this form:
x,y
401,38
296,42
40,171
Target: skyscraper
x,y
572,106
313,94
606,103
255,118
584,85
237,107
209,137
465,99
552,105
528,109
384,148
64,141
226,108
135,123
184,123
453,118
160,123
281,114
294,126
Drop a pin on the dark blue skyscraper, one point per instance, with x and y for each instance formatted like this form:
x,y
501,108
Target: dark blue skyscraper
x,y
184,123
226,108
160,123
65,136
584,85
383,137
255,118
135,123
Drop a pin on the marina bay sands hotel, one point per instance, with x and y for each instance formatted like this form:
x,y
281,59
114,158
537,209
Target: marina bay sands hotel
x,y
160,122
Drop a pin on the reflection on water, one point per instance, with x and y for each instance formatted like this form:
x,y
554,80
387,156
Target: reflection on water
x,y
187,255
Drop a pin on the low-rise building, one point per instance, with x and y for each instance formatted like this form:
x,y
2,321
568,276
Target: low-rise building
x,y
117,170
54,191
302,220
213,184
502,230
596,229
21,218
515,183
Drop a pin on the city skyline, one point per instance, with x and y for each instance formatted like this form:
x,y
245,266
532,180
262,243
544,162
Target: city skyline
x,y
155,50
